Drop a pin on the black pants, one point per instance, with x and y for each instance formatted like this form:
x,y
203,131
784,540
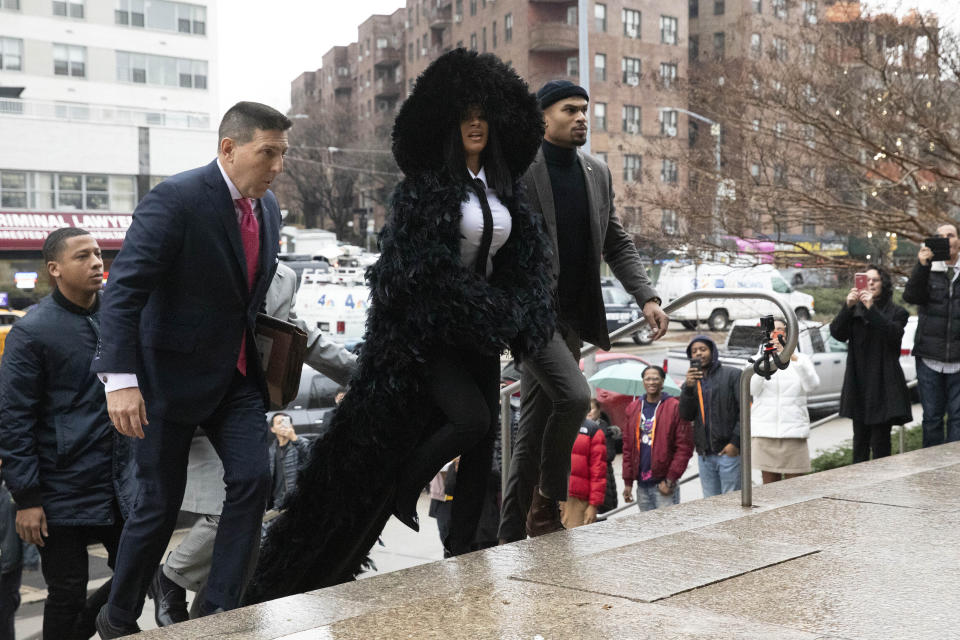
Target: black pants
x,y
555,398
238,431
68,613
870,437
465,386
9,601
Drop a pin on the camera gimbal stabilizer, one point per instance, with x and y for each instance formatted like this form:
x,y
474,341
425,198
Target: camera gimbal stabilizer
x,y
769,361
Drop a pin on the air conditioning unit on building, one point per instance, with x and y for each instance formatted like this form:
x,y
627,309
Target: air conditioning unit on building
x,y
423,51
633,80
458,18
633,127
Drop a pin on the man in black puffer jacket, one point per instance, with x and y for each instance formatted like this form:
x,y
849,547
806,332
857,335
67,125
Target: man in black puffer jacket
x,y
933,288
64,463
710,398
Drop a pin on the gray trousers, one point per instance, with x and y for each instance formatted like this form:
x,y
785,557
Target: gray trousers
x,y
188,565
555,398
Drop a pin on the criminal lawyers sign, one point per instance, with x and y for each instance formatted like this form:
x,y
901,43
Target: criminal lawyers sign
x,y
27,230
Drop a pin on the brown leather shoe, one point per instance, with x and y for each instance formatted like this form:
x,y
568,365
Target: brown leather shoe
x,y
544,515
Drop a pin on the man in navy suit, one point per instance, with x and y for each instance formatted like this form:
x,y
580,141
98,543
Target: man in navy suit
x,y
177,351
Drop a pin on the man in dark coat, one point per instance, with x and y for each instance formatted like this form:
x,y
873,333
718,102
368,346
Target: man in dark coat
x,y
572,192
933,288
177,351
874,395
710,399
66,467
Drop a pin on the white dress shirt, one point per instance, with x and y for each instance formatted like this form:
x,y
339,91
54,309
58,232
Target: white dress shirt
x,y
471,224
114,381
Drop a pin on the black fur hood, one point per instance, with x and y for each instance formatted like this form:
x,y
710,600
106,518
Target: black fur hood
x,y
444,91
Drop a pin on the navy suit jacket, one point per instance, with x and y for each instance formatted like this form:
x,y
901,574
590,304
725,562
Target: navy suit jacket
x,y
176,304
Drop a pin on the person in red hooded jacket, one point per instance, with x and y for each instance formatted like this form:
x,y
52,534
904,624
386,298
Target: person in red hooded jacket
x,y
657,445
588,476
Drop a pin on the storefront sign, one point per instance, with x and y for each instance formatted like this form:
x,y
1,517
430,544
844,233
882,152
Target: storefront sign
x,y
25,279
20,230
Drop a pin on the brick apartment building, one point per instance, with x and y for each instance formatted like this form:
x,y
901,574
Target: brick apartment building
x,y
638,50
640,55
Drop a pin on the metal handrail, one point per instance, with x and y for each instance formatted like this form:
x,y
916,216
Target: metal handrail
x,y
792,333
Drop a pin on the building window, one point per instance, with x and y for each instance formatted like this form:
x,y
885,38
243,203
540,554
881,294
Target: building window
x,y
780,9
493,34
573,16
483,39
693,48
631,23
756,45
600,116
11,54
69,60
809,12
668,73
755,173
163,15
12,5
668,123
780,175
410,51
602,155
141,68
809,51
631,119
72,9
600,66
718,7
780,49
756,125
600,17
631,71
668,30
631,168
573,67
458,11
719,44
668,171
67,191
473,41
809,229
757,6
668,221
779,128
382,43
473,7
508,27
694,8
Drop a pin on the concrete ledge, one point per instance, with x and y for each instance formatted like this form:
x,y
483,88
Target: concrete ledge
x,y
866,551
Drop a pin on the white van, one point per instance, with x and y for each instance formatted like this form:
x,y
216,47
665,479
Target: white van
x,y
677,279
338,310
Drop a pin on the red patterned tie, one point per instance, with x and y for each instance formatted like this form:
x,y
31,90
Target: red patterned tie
x,y
250,238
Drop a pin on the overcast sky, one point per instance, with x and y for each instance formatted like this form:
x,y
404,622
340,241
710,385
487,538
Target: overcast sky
x,y
265,45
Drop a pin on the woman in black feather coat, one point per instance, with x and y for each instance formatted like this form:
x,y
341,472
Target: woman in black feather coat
x,y
440,316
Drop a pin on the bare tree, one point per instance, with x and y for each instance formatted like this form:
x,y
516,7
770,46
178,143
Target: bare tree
x,y
846,124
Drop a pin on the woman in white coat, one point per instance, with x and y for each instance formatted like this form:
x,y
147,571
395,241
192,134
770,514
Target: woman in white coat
x,y
780,424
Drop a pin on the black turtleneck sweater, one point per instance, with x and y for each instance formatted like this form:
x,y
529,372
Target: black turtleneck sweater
x,y
573,228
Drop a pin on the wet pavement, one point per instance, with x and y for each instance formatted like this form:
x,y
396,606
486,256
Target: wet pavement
x,y
865,551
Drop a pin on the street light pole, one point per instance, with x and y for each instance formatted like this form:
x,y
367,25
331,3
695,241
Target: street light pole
x,y
715,132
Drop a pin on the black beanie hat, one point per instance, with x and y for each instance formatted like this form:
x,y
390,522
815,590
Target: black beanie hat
x,y
557,90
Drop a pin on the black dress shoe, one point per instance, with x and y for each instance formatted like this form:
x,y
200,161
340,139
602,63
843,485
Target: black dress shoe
x,y
412,520
108,630
169,600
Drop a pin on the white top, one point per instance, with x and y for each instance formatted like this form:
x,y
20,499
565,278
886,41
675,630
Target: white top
x,y
114,381
471,225
780,403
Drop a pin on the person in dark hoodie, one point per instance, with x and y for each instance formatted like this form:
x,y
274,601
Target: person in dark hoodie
x,y
710,399
65,465
657,445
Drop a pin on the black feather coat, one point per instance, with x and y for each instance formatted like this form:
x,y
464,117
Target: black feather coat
x,y
423,300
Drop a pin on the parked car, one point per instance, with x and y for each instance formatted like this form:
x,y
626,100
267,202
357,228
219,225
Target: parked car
x,y
829,356
311,410
621,309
